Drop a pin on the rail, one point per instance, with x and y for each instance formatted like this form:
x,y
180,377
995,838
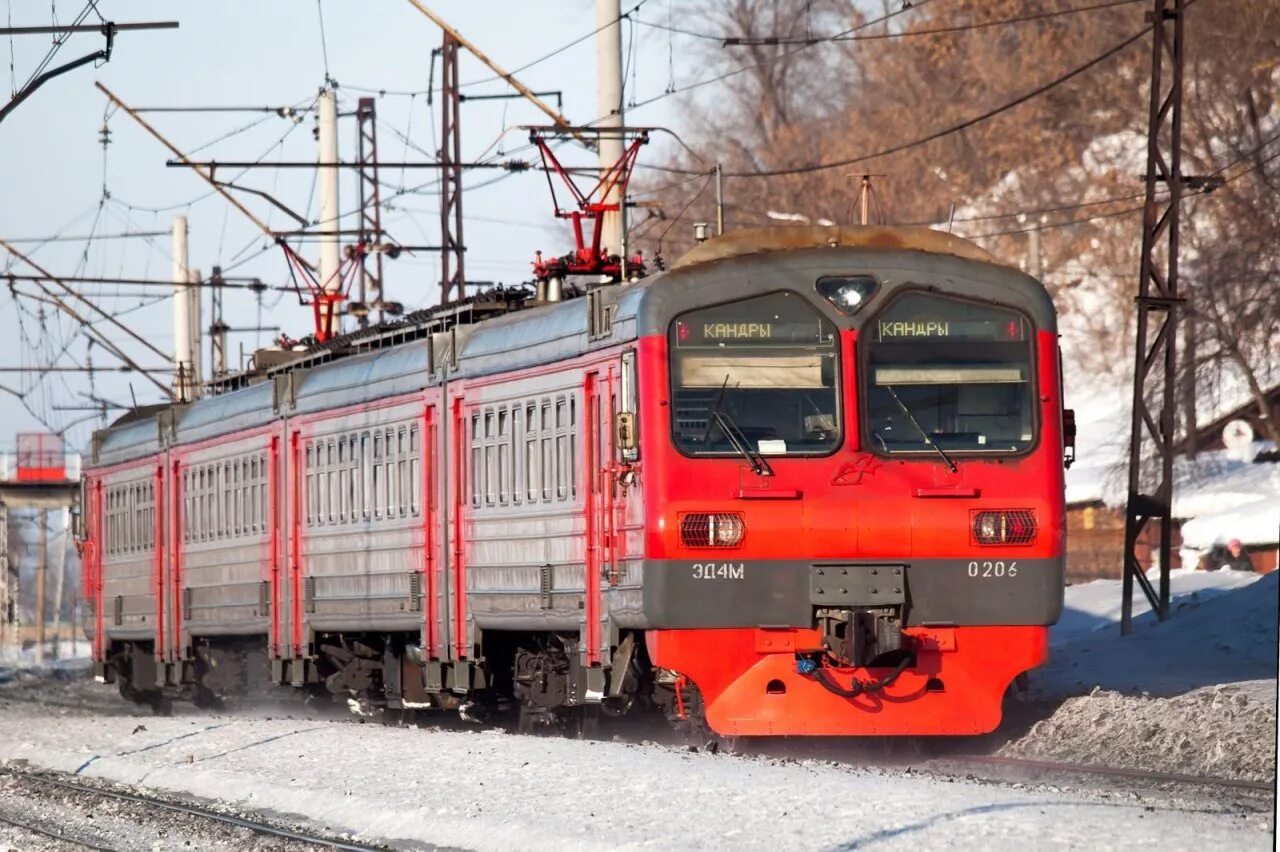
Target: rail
x,y
182,808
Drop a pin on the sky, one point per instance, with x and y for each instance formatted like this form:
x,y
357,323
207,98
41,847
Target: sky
x,y
57,178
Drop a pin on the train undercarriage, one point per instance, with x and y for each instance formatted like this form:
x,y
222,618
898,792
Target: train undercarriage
x,y
859,672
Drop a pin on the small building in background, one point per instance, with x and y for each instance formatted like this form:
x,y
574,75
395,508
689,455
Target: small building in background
x,y
1230,490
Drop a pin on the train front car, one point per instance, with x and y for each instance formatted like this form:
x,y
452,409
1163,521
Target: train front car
x,y
853,446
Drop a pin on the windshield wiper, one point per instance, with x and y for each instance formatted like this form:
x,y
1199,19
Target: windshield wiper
x,y
740,443
736,438
916,423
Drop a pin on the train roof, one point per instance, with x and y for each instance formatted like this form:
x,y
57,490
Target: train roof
x,y
750,241
498,331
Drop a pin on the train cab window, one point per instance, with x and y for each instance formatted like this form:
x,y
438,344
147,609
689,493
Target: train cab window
x,y
758,375
948,374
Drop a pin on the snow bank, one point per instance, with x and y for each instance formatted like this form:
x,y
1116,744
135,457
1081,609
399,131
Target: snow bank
x,y
1195,694
1223,630
1218,731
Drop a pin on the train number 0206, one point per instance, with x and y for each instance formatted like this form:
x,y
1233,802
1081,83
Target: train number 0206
x,y
999,568
718,571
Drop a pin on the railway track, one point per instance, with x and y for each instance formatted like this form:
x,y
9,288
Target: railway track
x,y
257,827
1032,765
32,828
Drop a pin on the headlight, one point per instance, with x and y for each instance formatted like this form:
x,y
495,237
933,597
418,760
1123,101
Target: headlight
x,y
848,293
712,529
1012,526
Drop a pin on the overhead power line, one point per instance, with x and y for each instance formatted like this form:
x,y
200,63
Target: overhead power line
x,y
89,28
739,41
915,143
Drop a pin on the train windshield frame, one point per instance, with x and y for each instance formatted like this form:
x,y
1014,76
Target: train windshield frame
x,y
760,374
942,372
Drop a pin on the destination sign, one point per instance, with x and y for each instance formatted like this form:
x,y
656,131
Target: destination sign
x,y
711,333
934,329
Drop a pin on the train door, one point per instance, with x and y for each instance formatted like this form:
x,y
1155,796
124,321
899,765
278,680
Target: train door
x,y
600,396
432,631
290,623
275,544
173,519
155,516
91,503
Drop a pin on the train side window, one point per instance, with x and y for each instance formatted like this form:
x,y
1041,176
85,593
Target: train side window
x,y
517,449
415,473
131,517
573,446
490,472
237,499
532,483
402,469
357,478
476,462
331,459
262,493
562,449
548,452
344,482
504,456
375,474
228,500
389,481
365,468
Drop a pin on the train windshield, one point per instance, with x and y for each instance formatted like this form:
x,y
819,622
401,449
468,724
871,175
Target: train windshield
x,y
950,375
756,377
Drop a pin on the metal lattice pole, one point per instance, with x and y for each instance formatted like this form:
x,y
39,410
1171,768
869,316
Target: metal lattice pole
x,y
452,274
1152,442
370,205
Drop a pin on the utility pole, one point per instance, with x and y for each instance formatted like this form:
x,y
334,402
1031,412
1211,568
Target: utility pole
x,y
1151,434
196,308
609,113
1189,320
719,199
59,582
183,359
8,604
1034,259
370,235
453,276
330,252
42,568
217,326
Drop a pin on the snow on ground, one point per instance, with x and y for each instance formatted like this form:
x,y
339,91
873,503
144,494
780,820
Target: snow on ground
x,y
1223,630
1218,731
496,791
1195,694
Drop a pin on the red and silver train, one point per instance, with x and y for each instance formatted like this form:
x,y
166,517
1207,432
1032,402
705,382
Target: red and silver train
x,y
807,481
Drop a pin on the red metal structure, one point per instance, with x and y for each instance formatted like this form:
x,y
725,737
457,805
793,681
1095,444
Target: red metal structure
x,y
590,207
326,297
40,458
807,482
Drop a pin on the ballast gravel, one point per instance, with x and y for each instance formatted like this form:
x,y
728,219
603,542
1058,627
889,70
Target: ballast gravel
x,y
1220,731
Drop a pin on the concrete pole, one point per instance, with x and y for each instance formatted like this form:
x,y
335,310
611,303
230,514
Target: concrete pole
x,y
609,108
1034,260
196,313
59,583
330,254
719,199
42,570
7,607
182,356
